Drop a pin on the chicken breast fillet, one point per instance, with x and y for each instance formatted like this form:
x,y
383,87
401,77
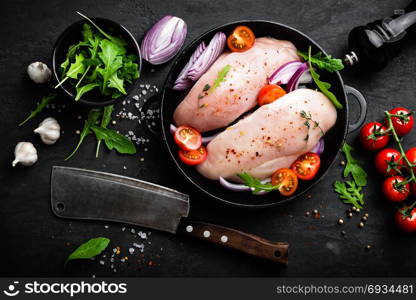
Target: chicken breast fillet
x,y
237,94
270,138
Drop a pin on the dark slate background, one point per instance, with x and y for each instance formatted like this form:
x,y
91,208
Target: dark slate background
x,y
35,243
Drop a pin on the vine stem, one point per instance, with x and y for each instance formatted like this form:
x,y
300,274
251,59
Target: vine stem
x,y
399,144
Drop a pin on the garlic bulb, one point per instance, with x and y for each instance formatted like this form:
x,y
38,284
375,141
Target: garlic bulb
x,y
49,131
25,153
39,72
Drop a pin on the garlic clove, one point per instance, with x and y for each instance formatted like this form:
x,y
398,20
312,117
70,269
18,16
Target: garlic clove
x,y
39,72
49,131
25,154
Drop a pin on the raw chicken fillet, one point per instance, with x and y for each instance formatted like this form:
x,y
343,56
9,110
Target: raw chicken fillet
x,y
237,94
270,138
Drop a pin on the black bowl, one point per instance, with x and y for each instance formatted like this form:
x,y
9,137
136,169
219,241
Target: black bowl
x,y
73,35
333,138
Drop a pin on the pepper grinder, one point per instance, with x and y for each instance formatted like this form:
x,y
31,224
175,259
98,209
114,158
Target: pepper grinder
x,y
372,46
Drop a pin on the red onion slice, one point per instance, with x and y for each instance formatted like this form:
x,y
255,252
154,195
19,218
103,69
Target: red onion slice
x,y
172,129
164,40
234,186
283,74
183,82
294,81
208,57
319,147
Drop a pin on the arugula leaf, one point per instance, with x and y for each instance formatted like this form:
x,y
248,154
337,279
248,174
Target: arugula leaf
x,y
89,249
83,89
129,71
323,86
116,83
351,194
76,67
352,167
323,62
113,140
70,55
105,120
93,116
220,78
87,32
39,107
255,184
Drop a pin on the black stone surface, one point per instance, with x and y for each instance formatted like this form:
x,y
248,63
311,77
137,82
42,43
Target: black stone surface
x,y
35,243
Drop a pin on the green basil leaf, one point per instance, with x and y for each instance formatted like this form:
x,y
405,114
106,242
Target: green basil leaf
x,y
105,120
90,249
255,184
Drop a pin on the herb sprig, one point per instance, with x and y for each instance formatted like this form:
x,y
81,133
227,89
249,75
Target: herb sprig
x,y
326,62
353,167
39,107
322,85
308,121
350,193
255,184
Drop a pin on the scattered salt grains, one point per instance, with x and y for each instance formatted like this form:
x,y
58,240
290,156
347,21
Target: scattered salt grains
x,y
123,228
133,231
147,86
124,167
102,262
131,250
135,97
106,226
144,92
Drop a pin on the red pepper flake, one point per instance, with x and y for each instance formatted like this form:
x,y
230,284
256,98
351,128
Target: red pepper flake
x,y
150,263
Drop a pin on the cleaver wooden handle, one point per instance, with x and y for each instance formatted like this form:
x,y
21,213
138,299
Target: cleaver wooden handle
x,y
237,240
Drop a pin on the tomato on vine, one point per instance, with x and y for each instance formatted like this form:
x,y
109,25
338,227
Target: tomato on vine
x,y
388,161
395,189
402,120
373,136
405,219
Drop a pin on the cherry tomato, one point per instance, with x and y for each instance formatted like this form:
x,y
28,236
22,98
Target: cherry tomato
x,y
241,39
411,156
188,138
392,191
287,180
306,166
193,157
403,124
405,219
371,136
385,156
270,93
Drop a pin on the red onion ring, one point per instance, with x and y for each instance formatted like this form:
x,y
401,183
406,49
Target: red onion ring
x,y
236,187
319,147
172,128
294,80
283,74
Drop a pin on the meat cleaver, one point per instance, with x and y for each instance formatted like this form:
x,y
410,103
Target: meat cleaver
x,y
90,195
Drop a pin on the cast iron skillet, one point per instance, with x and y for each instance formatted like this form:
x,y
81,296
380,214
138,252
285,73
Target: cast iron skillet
x,y
334,138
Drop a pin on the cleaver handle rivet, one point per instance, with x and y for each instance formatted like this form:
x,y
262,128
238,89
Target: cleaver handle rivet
x,y
189,228
207,234
224,239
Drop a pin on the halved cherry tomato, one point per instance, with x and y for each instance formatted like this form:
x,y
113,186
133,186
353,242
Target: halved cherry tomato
x,y
188,138
193,157
306,166
411,156
403,124
270,93
394,191
406,219
241,39
287,181
384,157
371,136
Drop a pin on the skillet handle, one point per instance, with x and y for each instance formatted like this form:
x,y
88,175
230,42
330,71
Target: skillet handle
x,y
237,240
363,107
152,103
